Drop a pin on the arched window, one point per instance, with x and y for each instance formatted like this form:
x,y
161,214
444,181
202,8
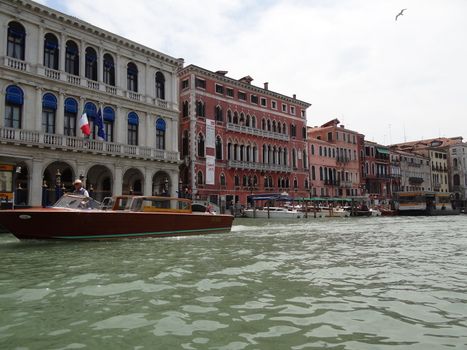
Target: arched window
x,y
313,150
160,133
253,122
70,116
274,126
201,145
304,133
305,159
236,180
235,118
456,180
222,180
199,178
294,158
49,108
229,116
218,148
218,114
14,99
132,77
185,108
313,173
295,183
242,119
133,122
321,173
284,128
16,41
244,181
109,70
160,85
255,151
248,120
185,143
51,51
91,64
109,117
200,109
71,58
269,125
263,124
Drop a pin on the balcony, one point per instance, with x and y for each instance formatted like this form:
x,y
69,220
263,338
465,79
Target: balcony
x,y
73,79
258,166
415,180
257,132
345,184
133,95
16,64
110,89
76,144
91,84
52,73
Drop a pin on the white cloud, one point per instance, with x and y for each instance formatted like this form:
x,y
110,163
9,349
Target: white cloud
x,y
349,58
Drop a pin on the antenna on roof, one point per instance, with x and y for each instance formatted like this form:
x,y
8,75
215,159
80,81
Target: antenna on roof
x,y
405,137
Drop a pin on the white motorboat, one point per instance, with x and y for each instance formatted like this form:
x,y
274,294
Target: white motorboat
x,y
273,213
335,212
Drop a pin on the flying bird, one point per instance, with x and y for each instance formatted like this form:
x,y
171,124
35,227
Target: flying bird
x,y
400,13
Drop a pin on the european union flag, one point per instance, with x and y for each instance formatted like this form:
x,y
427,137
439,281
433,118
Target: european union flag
x,y
100,126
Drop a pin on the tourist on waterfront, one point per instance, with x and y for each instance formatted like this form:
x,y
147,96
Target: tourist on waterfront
x,y
79,189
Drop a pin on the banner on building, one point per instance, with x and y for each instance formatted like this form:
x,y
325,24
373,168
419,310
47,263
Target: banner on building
x,y
210,133
210,169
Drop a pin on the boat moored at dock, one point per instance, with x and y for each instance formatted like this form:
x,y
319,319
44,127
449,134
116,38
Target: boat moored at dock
x,y
425,203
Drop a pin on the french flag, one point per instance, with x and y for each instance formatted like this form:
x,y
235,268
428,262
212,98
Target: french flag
x,y
84,124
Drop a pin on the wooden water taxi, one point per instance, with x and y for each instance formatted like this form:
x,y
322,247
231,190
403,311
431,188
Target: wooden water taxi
x,y
76,217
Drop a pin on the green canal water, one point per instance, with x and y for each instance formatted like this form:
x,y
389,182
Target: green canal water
x,y
354,283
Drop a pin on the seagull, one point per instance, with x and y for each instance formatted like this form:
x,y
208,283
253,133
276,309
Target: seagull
x,y
400,13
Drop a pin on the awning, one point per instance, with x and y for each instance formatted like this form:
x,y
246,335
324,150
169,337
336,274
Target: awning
x,y
382,150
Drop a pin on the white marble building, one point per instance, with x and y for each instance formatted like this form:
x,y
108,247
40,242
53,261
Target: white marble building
x,y
52,68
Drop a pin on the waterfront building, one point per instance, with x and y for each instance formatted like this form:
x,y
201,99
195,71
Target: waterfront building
x,y
394,171
53,68
238,139
376,171
456,152
415,172
323,168
342,178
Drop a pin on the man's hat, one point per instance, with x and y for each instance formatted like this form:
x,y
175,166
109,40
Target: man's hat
x,y
77,181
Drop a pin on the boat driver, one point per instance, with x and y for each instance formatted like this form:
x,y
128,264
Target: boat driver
x,y
79,189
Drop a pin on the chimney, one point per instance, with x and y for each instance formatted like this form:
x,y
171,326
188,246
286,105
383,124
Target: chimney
x,y
294,96
221,72
266,86
246,80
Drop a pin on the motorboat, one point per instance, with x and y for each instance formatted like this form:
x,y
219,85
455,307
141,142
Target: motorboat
x,y
335,212
76,217
273,213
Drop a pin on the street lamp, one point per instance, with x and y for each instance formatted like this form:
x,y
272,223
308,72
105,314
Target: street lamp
x,y
58,183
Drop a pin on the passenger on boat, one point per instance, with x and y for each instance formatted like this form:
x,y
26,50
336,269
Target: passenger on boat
x,y
79,189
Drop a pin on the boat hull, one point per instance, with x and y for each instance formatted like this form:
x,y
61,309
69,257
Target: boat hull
x,y
103,225
272,214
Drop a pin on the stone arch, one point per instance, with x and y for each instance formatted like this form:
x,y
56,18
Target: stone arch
x,y
99,182
132,182
161,184
58,176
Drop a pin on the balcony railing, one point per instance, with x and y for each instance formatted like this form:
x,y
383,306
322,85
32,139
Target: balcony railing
x,y
133,95
16,64
52,73
257,132
258,166
73,79
70,143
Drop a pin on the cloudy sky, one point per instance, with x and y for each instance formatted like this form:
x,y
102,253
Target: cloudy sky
x,y
390,80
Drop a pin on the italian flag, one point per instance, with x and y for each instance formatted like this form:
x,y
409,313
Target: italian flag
x,y
84,124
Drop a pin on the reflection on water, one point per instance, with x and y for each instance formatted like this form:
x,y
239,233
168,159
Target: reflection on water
x,y
345,283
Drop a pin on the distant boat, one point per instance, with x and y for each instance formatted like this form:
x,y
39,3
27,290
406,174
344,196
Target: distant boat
x,y
425,203
273,213
76,217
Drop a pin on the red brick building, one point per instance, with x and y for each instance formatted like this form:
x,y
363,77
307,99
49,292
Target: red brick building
x,y
238,139
376,171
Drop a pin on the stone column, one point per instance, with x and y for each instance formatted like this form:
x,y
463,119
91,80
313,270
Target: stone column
x,y
40,47
149,139
118,176
37,114
35,191
59,126
82,61
119,126
2,108
148,182
100,65
62,52
3,39
118,82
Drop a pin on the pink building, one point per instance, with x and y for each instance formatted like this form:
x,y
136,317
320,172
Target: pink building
x,y
339,159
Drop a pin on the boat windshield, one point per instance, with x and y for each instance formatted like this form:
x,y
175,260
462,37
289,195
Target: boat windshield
x,y
77,202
